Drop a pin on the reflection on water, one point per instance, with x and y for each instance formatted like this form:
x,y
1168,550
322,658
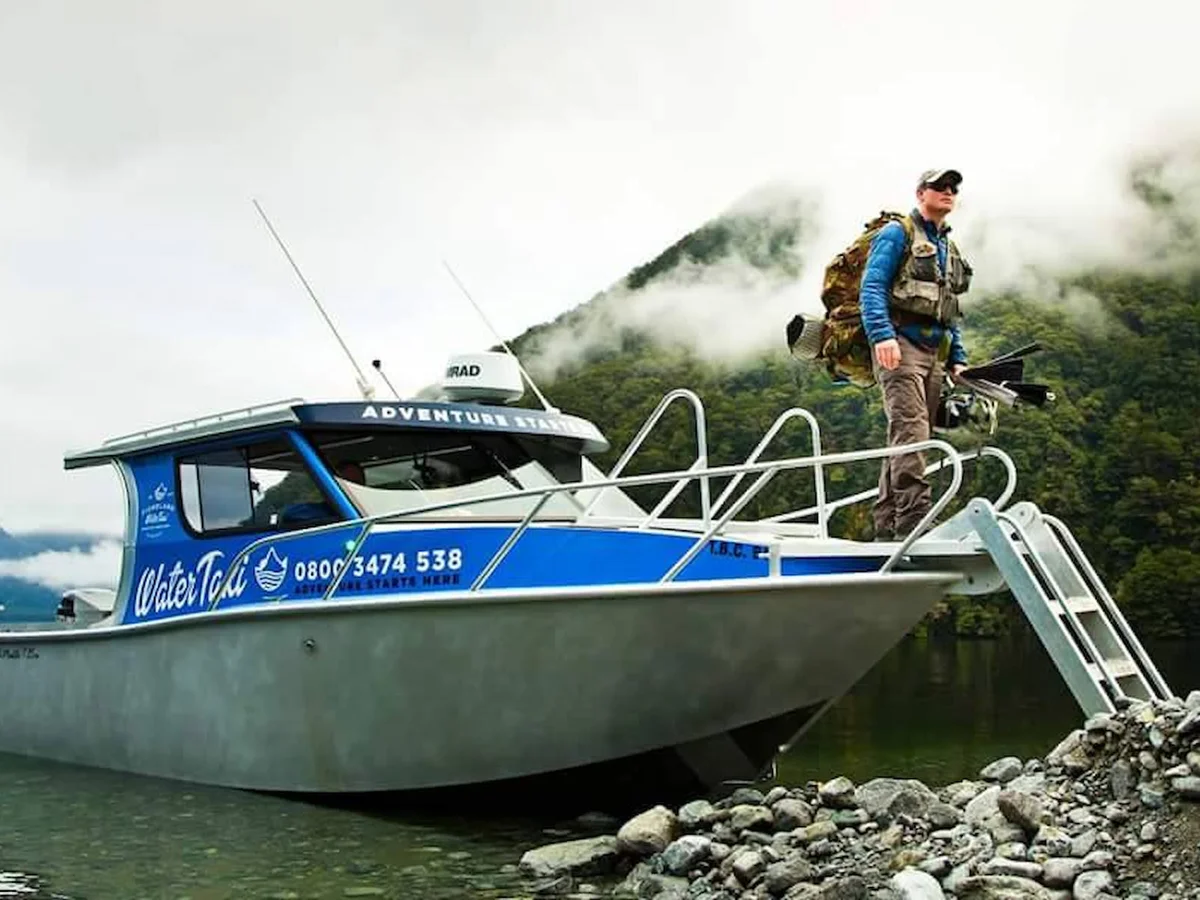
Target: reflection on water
x,y
933,711
96,834
941,711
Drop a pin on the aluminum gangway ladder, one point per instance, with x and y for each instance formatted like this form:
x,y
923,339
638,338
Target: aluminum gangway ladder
x,y
1087,637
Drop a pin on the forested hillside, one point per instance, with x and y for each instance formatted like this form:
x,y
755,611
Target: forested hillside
x,y
1116,454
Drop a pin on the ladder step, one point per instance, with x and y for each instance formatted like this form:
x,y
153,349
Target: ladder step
x,y
1120,668
1081,604
1041,562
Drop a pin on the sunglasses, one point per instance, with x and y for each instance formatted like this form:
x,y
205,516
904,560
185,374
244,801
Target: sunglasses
x,y
943,188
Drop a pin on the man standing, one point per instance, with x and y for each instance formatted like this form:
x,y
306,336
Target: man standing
x,y
910,309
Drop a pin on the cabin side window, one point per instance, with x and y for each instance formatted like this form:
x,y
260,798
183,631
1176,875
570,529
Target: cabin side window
x,y
257,487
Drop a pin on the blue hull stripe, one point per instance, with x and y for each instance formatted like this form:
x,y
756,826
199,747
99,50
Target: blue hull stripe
x,y
181,577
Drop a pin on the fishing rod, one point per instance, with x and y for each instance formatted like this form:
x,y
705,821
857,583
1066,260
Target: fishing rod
x,y
368,391
503,343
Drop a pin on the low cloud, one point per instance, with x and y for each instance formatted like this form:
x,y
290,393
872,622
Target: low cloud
x,y
98,566
1138,213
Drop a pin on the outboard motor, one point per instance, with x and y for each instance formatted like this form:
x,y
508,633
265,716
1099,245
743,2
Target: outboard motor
x,y
85,606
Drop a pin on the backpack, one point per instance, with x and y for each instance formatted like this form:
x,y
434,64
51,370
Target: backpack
x,y
842,343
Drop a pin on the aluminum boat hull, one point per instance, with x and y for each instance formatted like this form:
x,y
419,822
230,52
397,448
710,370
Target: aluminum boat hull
x,y
413,693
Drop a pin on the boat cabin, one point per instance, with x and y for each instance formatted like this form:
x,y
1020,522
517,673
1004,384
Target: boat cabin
x,y
296,465
298,479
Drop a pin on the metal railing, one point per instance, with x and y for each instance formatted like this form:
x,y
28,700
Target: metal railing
x,y
243,412
1108,606
700,462
764,470
1010,487
818,470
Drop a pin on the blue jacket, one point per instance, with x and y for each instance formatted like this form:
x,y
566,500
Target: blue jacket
x,y
883,264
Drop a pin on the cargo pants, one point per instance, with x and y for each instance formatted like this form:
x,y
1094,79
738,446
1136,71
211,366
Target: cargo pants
x,y
911,392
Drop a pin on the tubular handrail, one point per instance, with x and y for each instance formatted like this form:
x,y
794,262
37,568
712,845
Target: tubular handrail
x,y
765,470
648,425
1109,605
747,496
851,499
212,418
1061,595
927,519
818,471
1010,486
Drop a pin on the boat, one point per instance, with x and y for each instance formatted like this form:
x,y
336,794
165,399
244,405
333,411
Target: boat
x,y
442,596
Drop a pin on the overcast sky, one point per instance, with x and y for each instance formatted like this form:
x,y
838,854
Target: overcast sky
x,y
543,147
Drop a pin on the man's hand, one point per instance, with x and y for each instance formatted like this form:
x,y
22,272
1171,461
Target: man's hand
x,y
887,353
956,368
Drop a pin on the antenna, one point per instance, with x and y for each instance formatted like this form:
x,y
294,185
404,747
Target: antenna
x,y
503,343
378,365
364,386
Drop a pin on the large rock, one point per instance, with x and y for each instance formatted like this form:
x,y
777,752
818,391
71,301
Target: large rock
x,y
1002,770
1060,872
1054,841
913,884
751,818
791,813
815,832
1121,780
943,815
1071,752
984,809
1031,783
783,875
1020,868
1190,723
1083,844
696,814
1013,850
886,798
1002,887
649,832
1090,885
1023,810
748,866
838,793
685,854
587,856
1188,788
937,866
962,792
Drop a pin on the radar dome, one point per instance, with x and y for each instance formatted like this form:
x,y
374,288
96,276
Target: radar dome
x,y
490,377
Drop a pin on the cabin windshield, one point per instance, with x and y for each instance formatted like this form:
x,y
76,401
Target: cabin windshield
x,y
394,471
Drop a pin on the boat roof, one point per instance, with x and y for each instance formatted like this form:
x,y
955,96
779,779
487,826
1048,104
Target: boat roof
x,y
402,414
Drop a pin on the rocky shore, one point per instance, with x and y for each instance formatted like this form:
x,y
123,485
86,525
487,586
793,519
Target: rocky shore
x,y
1112,812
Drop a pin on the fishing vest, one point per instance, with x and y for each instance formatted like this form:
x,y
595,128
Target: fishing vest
x,y
922,287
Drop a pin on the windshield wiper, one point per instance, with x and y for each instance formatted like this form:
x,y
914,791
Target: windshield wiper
x,y
505,472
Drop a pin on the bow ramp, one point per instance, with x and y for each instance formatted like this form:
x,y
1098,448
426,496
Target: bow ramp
x,y
1060,592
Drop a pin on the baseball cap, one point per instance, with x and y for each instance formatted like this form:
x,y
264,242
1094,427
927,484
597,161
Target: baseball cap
x,y
944,176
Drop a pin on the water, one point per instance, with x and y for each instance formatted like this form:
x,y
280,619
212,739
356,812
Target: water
x,y
934,711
